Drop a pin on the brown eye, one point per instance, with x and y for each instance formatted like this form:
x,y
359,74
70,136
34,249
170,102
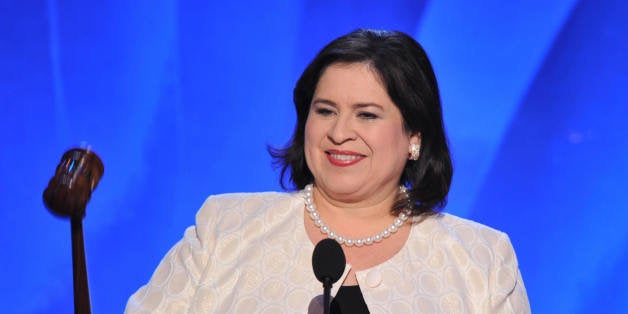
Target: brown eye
x,y
323,111
367,115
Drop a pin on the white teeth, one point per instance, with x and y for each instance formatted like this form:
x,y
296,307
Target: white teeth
x,y
344,157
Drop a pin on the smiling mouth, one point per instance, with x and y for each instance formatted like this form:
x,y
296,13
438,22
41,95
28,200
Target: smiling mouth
x,y
344,159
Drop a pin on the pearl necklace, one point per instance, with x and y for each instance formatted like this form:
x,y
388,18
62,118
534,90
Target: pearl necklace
x,y
398,222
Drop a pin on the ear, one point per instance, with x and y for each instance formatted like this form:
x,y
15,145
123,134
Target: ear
x,y
415,138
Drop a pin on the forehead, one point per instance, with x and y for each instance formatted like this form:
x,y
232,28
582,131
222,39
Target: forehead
x,y
352,82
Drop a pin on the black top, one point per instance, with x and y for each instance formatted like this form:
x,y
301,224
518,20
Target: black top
x,y
348,300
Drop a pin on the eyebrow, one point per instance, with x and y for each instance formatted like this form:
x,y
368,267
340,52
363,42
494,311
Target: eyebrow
x,y
354,106
323,101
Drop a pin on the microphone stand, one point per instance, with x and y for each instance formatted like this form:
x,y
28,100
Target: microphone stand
x,y
326,295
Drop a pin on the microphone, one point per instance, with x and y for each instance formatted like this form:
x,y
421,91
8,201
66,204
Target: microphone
x,y
66,195
328,261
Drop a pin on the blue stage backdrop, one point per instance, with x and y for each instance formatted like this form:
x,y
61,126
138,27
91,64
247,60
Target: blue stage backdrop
x,y
181,98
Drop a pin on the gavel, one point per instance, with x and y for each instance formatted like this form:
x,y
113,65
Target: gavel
x,y
66,196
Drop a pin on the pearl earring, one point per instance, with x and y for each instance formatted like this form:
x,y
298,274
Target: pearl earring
x,y
415,151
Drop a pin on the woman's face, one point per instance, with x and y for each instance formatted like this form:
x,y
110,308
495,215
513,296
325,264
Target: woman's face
x,y
355,144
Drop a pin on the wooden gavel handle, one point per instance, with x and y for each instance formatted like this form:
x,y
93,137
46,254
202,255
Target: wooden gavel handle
x,y
79,267
66,196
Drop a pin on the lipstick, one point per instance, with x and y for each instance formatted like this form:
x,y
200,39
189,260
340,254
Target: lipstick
x,y
343,158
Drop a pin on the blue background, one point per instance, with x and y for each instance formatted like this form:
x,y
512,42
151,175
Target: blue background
x,y
180,99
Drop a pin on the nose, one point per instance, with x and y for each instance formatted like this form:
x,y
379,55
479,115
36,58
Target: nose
x,y
341,130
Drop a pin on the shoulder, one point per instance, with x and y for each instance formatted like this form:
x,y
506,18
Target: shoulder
x,y
230,200
459,234
481,255
258,200
243,206
463,229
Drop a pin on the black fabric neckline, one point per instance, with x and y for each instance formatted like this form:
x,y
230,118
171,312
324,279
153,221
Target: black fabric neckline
x,y
349,299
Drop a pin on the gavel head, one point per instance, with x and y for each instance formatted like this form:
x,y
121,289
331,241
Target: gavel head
x,y
70,189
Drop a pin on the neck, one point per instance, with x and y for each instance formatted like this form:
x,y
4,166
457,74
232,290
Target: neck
x,y
375,207
364,225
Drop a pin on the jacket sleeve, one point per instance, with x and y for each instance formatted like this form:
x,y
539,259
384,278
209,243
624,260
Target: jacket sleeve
x,y
508,293
175,281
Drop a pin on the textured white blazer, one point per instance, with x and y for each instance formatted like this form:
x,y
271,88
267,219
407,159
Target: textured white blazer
x,y
249,253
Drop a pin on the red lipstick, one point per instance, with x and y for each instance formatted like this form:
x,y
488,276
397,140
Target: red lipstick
x,y
343,158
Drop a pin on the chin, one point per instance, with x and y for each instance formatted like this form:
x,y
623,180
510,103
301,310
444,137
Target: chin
x,y
342,187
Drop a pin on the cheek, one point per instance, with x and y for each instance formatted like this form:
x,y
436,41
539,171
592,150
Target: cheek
x,y
309,140
392,141
312,132
307,137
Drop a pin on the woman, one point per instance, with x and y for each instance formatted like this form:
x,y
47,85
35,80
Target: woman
x,y
370,157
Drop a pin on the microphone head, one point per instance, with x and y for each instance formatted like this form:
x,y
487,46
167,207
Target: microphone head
x,y
328,260
71,187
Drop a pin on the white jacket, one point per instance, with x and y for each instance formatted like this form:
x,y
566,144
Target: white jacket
x,y
249,253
